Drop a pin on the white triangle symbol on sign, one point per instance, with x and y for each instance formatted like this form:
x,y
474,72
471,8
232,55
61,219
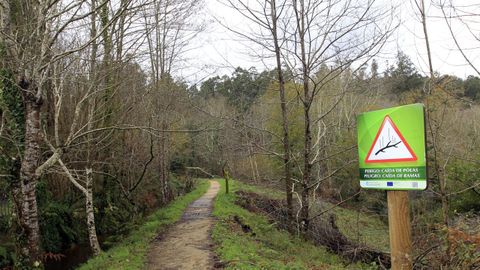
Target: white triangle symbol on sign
x,y
389,145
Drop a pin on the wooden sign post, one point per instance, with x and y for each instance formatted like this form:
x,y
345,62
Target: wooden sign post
x,y
392,157
399,227
226,176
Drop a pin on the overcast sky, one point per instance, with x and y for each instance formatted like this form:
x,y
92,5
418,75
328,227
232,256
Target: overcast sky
x,y
217,51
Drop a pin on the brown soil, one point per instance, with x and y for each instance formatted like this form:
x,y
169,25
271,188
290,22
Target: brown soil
x,y
187,245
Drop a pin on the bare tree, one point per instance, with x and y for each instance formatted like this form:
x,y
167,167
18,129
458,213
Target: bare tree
x,y
169,28
266,15
442,149
335,35
434,128
465,17
309,36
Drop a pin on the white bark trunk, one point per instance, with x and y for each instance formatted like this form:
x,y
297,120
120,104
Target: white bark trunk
x,y
92,233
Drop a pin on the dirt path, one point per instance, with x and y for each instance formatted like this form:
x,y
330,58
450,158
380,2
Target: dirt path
x,y
187,244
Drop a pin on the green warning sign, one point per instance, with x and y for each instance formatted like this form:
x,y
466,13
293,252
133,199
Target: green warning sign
x,y
391,148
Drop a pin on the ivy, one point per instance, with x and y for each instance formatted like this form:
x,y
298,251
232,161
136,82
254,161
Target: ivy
x,y
11,146
11,100
11,105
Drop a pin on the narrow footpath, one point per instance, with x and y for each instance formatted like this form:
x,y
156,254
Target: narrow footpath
x,y
187,245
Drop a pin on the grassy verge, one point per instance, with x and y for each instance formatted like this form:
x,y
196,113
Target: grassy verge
x,y
265,247
264,191
132,252
358,226
363,228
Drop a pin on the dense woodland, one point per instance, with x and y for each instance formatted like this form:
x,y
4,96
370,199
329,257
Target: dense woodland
x,y
98,128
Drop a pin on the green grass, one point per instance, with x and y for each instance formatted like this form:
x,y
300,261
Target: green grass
x,y
264,191
269,248
362,228
358,226
132,252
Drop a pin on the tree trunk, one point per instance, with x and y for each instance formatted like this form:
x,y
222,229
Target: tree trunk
x,y
28,177
163,160
444,197
283,106
252,167
107,65
255,164
307,171
441,175
226,176
92,233
307,102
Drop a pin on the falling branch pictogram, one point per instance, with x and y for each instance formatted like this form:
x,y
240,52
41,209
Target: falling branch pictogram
x,y
382,150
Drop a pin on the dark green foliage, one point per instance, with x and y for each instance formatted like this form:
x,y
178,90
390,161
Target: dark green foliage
x,y
452,84
115,213
209,87
6,218
11,105
472,87
180,185
241,89
11,150
404,76
58,226
179,162
11,100
465,176
374,69
6,257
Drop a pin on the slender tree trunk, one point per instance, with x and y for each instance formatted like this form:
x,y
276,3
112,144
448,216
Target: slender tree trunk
x,y
121,31
307,170
252,167
107,62
307,102
431,84
89,206
255,164
283,106
92,233
163,160
443,193
427,43
28,177
440,174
